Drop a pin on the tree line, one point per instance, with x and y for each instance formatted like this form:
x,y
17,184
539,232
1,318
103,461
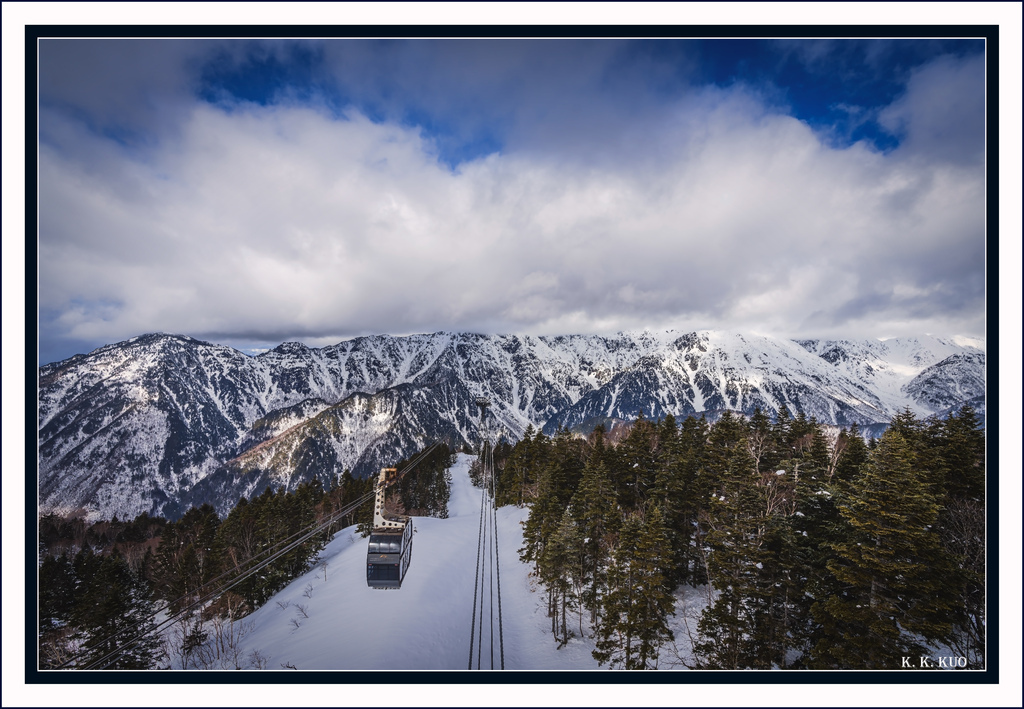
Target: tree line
x,y
102,584
815,549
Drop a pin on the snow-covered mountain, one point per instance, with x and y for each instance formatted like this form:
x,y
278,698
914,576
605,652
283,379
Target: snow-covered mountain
x,y
161,422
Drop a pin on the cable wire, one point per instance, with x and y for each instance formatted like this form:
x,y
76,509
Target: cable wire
x,y
316,527
487,553
497,569
476,579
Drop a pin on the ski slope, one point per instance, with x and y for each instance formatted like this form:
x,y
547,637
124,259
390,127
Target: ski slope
x,y
426,624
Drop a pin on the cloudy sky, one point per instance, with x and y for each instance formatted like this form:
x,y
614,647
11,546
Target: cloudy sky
x,y
249,192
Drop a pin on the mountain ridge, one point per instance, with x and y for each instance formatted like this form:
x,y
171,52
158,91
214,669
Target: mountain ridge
x,y
159,422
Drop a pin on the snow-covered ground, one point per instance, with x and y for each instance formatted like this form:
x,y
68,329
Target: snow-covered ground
x,y
338,623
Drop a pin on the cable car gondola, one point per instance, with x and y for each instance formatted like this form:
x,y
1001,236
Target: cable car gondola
x,y
390,547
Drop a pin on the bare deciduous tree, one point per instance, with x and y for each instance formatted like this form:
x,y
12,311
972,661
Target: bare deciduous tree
x,y
210,641
963,534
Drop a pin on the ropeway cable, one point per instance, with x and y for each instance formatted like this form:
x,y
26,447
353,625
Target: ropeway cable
x,y
317,527
108,659
480,640
491,568
497,567
487,551
476,580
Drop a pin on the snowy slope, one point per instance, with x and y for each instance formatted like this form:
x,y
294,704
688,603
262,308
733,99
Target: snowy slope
x,y
717,370
888,367
426,624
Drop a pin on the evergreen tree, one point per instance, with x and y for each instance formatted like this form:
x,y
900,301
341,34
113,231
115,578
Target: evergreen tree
x,y
693,492
673,491
56,604
890,565
855,454
801,432
820,453
515,486
750,554
960,443
56,591
637,464
816,525
763,442
634,619
545,514
597,520
188,557
559,477
115,619
783,419
561,570
425,491
602,451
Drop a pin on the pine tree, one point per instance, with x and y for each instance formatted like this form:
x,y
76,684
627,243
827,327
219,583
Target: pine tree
x,y
561,570
960,443
783,419
855,454
820,454
890,566
559,477
596,516
763,442
674,490
545,513
519,471
815,525
749,541
56,604
695,487
634,619
114,617
801,432
240,539
535,454
637,464
188,557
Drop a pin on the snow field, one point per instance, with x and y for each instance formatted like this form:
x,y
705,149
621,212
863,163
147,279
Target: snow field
x,y
426,624
341,624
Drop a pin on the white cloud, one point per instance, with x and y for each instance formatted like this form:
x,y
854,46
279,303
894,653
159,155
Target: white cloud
x,y
286,222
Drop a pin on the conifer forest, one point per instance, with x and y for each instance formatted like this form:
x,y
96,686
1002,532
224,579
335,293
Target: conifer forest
x,y
810,547
815,548
105,586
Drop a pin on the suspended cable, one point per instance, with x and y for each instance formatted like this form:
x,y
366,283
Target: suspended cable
x,y
490,521
309,531
497,569
476,579
273,551
109,658
480,641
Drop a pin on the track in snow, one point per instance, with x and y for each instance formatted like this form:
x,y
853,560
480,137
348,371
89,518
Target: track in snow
x,y
426,624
